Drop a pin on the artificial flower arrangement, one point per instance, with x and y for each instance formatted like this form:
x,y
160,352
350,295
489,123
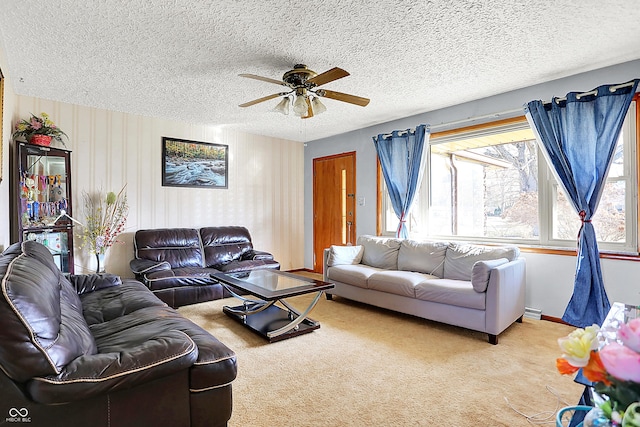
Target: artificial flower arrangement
x,y
105,219
613,367
39,125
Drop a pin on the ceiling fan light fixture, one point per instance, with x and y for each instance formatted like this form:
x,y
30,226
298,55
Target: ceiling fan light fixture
x,y
303,92
300,105
283,106
318,107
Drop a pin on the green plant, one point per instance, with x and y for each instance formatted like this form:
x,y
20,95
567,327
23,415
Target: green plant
x,y
105,219
39,125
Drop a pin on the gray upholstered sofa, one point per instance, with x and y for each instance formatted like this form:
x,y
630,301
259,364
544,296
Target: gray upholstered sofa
x,y
475,287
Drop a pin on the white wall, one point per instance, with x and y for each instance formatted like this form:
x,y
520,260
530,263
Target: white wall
x,y
110,149
549,277
8,106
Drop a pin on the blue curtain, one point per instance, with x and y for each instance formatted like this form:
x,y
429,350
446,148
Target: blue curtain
x,y
578,136
401,159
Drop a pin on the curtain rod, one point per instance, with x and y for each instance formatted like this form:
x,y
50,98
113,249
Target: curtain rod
x,y
508,112
592,92
473,119
458,122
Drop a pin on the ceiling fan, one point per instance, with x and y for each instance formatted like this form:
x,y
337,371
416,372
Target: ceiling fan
x,y
304,94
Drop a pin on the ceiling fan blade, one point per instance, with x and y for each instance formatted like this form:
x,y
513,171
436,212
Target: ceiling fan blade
x,y
344,97
264,79
328,76
309,110
264,98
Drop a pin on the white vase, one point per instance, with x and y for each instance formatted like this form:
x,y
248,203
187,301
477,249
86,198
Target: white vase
x,y
100,266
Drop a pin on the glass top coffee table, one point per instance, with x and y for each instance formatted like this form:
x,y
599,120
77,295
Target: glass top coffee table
x,y
262,315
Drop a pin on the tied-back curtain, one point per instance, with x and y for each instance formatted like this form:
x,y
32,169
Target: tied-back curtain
x,y
578,136
401,159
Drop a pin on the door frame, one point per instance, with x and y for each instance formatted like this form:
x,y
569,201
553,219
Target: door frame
x,y
317,257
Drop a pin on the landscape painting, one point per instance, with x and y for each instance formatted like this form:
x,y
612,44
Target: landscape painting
x,y
194,164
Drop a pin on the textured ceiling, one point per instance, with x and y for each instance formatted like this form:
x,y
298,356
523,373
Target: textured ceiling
x,y
180,59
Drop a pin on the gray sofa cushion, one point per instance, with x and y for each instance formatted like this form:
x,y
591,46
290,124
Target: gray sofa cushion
x,y
481,272
355,275
458,293
341,255
380,252
460,258
397,282
423,257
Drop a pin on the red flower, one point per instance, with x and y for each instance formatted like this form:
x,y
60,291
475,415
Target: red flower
x,y
564,367
595,371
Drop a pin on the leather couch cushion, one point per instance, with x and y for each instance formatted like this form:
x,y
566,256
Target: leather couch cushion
x,y
215,365
238,265
185,276
423,257
41,315
133,355
451,292
180,247
224,244
340,255
111,303
380,252
460,258
397,282
356,275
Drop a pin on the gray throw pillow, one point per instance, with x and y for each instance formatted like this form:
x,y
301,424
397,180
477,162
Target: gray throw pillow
x,y
481,273
380,252
422,257
344,255
461,257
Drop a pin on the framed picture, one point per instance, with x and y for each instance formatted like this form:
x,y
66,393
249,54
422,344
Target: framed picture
x,y
194,164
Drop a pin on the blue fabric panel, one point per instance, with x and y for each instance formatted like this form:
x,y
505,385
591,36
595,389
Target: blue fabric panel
x,y
401,157
578,136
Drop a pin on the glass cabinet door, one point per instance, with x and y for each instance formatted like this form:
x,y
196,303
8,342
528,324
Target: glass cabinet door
x,y
43,197
57,242
44,190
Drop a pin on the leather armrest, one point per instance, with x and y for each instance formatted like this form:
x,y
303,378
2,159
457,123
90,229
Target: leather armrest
x,y
117,367
141,266
257,255
84,283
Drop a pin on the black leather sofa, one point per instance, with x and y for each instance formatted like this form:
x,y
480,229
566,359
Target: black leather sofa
x,y
176,263
95,350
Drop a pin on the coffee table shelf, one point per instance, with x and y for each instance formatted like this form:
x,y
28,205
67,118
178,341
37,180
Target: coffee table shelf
x,y
271,316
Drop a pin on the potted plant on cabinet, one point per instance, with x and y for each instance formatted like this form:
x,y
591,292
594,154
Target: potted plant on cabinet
x,y
39,130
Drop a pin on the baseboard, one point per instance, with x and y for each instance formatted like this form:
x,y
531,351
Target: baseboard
x,y
532,313
554,319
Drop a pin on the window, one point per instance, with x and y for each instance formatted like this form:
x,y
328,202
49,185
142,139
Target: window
x,y
491,183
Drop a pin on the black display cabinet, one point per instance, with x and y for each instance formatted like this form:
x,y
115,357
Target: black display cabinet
x,y
41,195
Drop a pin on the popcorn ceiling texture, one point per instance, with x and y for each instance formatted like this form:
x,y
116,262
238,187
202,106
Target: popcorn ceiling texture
x,y
180,59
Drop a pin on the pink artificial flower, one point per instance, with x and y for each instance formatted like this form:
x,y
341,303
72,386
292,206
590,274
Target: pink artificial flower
x,y
35,124
621,362
629,334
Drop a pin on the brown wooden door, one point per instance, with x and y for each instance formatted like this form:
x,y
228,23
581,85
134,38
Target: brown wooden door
x,y
334,205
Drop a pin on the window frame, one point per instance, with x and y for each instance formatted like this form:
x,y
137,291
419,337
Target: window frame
x,y
546,243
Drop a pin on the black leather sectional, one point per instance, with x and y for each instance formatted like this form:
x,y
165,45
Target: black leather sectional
x,y
176,263
95,350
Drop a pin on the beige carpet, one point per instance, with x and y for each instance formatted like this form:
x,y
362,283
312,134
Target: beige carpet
x,y
372,367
